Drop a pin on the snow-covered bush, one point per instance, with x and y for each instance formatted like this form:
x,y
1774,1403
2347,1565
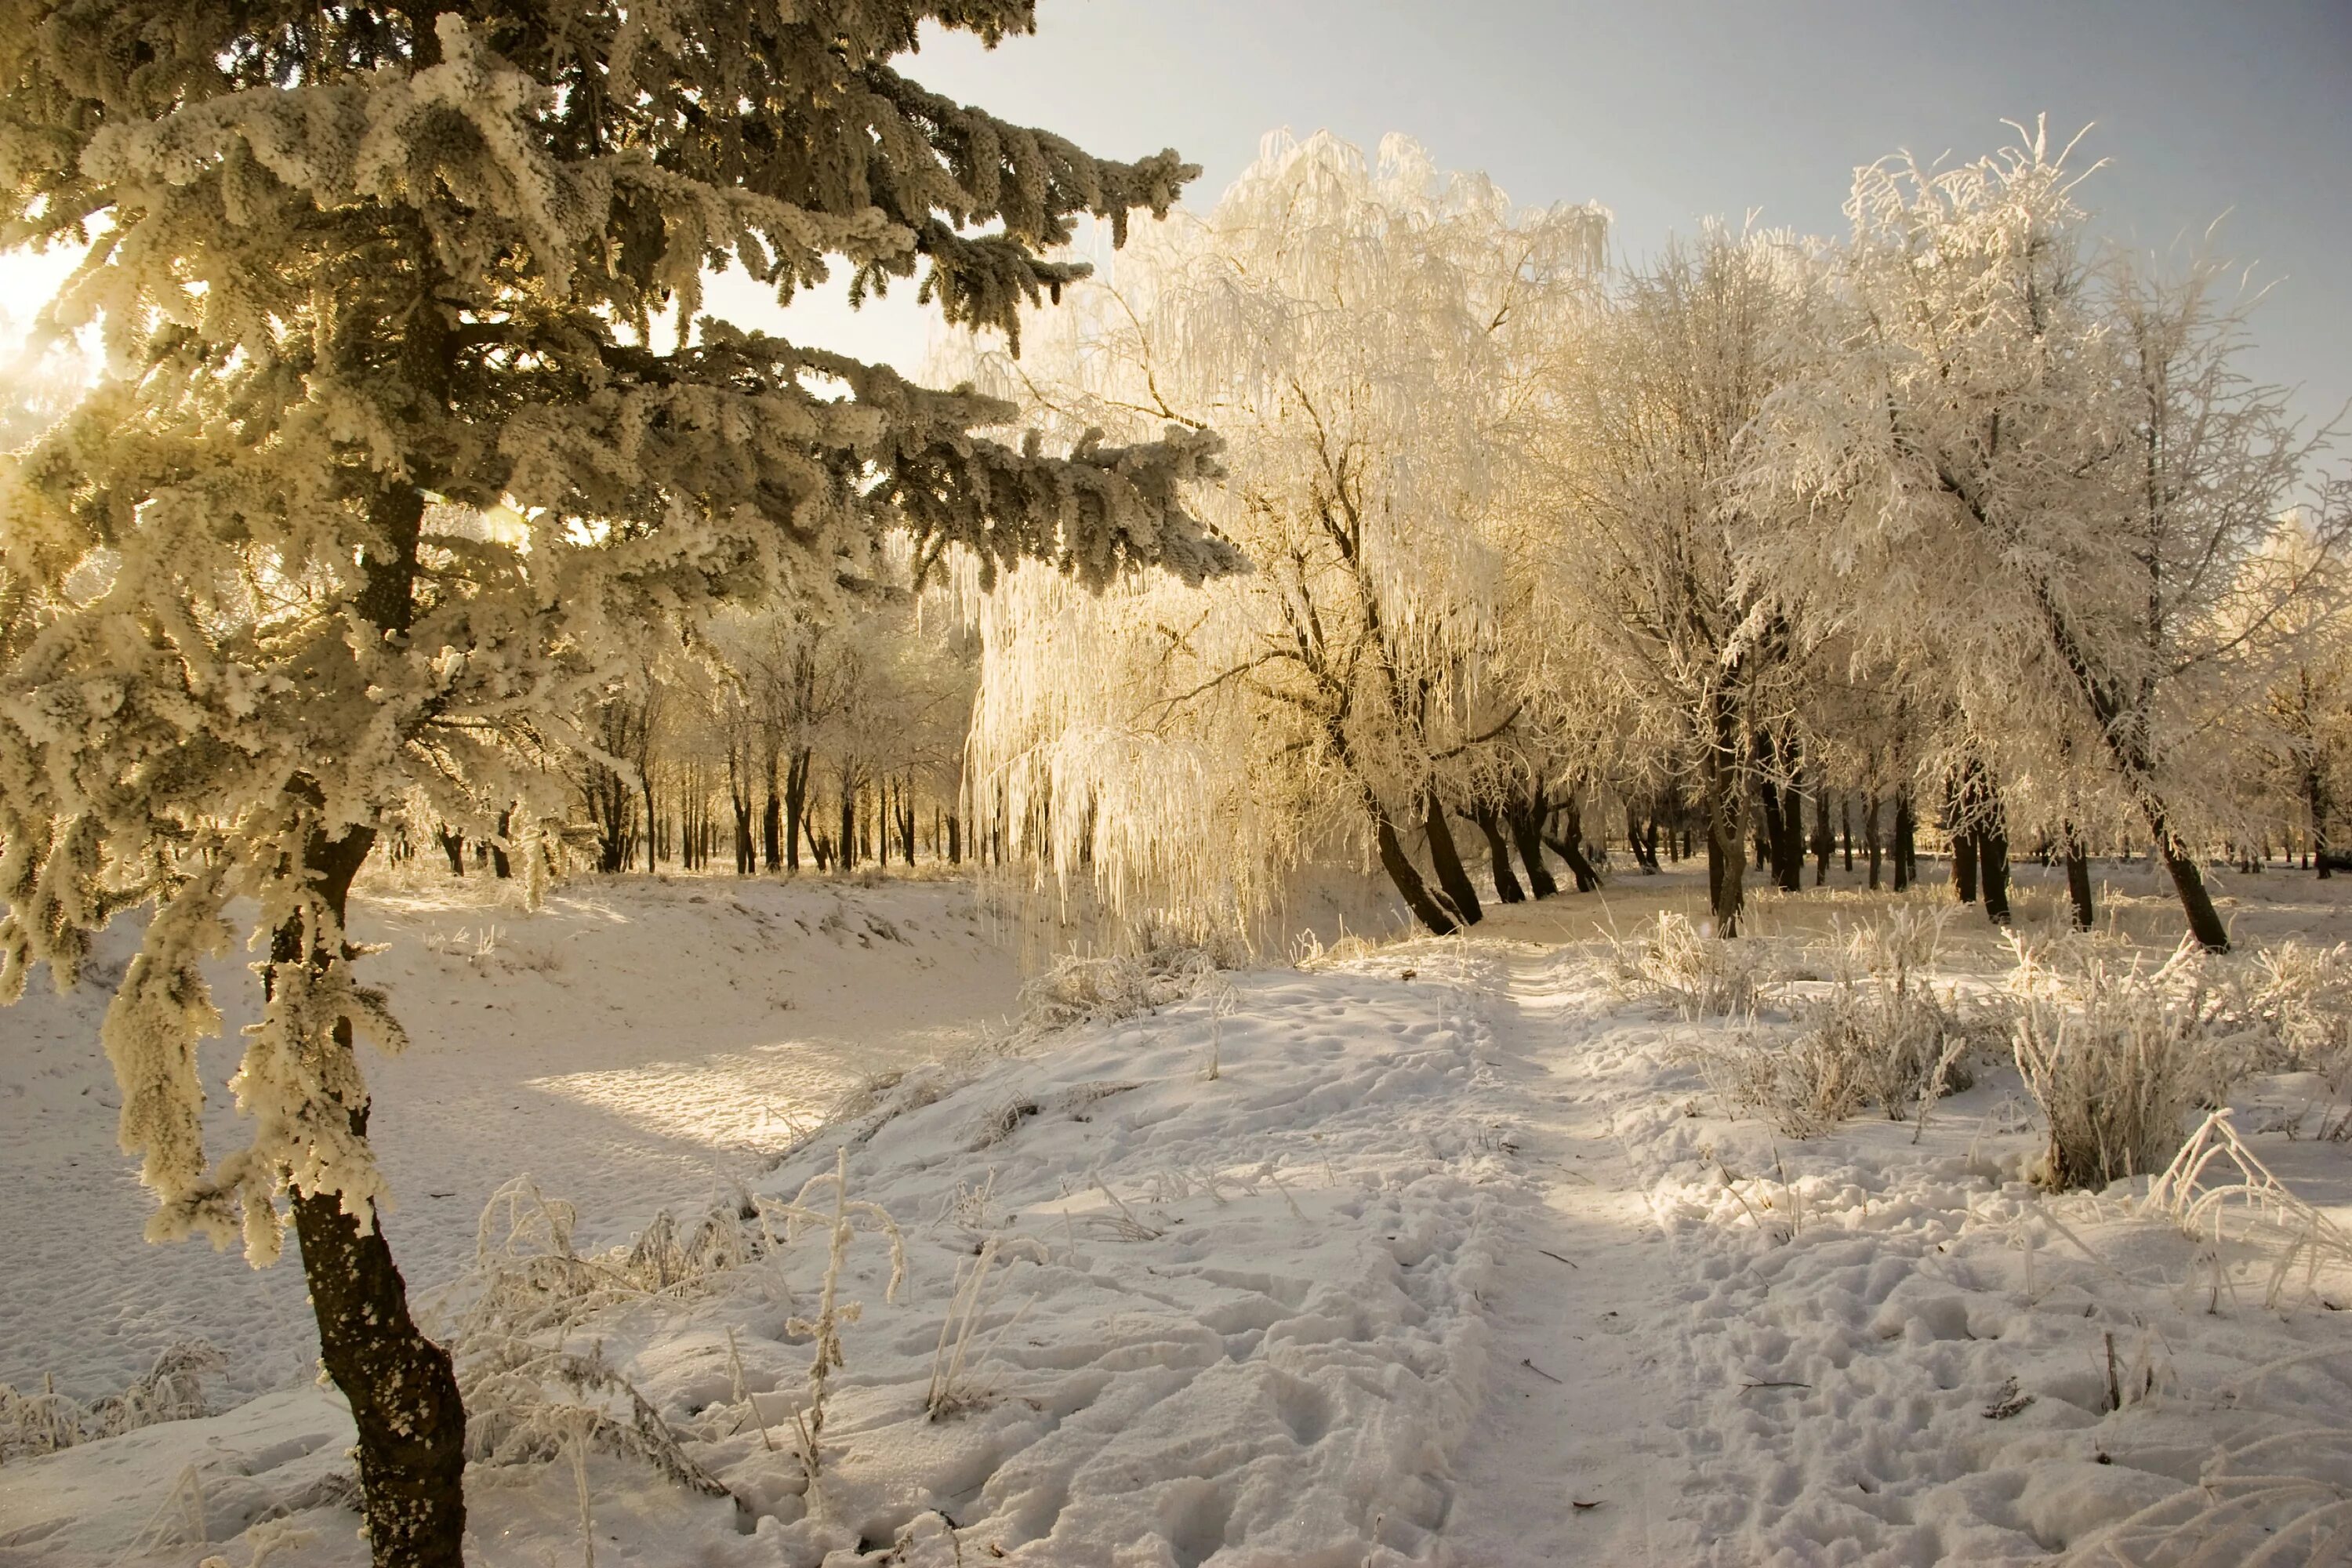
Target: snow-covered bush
x,y
1881,1035
1702,974
1082,989
2295,1000
172,1390
2118,1057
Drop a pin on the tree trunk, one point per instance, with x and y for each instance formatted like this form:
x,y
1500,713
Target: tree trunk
x,y
1992,871
1526,832
797,779
846,852
1407,877
2078,881
1825,841
1907,842
771,813
1964,864
1498,855
453,845
401,1387
1569,847
2315,799
1846,823
1645,857
1870,836
499,862
1451,877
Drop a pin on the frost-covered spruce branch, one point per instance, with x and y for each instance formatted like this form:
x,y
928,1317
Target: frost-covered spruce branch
x,y
390,479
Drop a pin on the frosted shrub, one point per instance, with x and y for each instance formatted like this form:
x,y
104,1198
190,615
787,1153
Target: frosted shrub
x,y
530,1395
2295,1000
1090,990
172,1390
1882,1035
1704,975
2116,1058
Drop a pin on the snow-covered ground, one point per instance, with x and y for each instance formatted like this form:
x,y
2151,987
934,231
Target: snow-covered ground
x,y
1452,1257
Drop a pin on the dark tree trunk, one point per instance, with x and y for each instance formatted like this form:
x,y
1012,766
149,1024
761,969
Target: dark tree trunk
x,y
1845,826
772,817
955,839
2078,882
1407,877
1451,877
1789,842
796,780
1825,841
1870,836
1498,855
846,852
1907,842
1992,871
499,862
1964,864
453,845
1569,846
1526,832
400,1385
1645,857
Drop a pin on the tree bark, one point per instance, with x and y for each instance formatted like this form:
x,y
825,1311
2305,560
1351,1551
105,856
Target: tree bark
x,y
1451,878
1907,842
1870,836
1526,822
1569,847
401,1386
797,780
498,861
1498,855
2078,882
1825,841
453,845
1407,877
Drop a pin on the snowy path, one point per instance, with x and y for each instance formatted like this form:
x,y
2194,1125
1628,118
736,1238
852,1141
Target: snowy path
x,y
1571,1453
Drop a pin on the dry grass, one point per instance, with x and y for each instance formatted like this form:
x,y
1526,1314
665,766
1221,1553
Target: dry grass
x,y
172,1390
2117,1055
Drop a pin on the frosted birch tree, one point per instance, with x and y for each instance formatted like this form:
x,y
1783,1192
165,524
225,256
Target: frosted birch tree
x,y
1361,332
359,272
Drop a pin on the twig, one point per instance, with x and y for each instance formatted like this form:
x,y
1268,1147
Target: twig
x,y
1538,1371
1547,1252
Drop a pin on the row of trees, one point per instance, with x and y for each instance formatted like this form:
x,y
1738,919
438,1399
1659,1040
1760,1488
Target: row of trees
x,y
1965,519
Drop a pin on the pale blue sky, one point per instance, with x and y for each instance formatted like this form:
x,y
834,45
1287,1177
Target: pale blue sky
x,y
1668,113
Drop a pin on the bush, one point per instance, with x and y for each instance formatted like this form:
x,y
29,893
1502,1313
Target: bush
x,y
2117,1058
172,1390
1881,1036
1704,975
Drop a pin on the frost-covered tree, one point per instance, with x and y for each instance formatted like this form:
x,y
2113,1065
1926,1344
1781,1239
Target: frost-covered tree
x,y
2041,462
1362,332
1651,534
363,273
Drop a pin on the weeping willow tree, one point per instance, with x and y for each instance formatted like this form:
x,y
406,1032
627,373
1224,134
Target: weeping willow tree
x,y
1362,332
364,273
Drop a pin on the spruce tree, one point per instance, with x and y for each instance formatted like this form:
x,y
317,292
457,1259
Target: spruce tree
x,y
366,275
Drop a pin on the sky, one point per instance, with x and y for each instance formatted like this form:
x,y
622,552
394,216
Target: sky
x,y
1668,113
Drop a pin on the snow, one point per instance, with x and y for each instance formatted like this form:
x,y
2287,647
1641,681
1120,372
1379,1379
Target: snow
x,y
631,1048
1455,1259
